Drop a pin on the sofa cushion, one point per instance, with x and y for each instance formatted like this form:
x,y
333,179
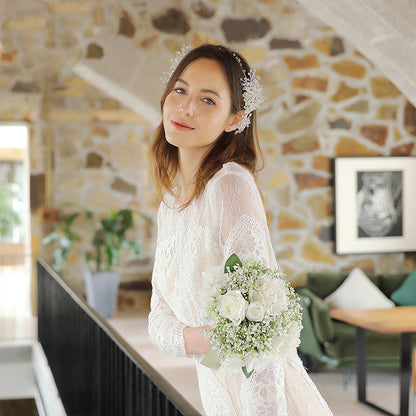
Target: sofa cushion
x,y
388,283
323,284
405,295
358,292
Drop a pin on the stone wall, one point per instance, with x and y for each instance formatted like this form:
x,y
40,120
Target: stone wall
x,y
324,99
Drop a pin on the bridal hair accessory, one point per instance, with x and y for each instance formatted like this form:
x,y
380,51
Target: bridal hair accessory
x,y
252,95
174,62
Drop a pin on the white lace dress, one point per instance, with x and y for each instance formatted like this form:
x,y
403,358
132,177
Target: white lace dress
x,y
227,218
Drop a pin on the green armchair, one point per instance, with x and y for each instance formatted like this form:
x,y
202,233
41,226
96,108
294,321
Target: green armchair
x,y
325,340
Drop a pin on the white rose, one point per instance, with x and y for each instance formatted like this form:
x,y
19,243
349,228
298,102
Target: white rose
x,y
274,289
260,282
232,305
282,301
272,294
278,307
255,312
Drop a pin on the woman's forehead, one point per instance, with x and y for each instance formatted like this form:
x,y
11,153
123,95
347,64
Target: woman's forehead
x,y
207,72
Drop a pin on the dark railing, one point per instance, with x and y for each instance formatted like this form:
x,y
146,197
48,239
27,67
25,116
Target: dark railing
x,y
96,372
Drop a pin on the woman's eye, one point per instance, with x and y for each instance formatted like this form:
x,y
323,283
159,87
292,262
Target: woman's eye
x,y
208,101
179,90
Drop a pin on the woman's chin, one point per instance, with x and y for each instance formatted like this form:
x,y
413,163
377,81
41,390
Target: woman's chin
x,y
173,141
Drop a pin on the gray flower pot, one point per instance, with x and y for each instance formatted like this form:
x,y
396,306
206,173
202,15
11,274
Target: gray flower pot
x,y
102,289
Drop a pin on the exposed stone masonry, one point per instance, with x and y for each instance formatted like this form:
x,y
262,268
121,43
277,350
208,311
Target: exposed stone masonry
x,y
324,100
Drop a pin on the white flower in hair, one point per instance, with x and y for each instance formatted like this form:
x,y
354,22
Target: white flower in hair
x,y
252,95
174,62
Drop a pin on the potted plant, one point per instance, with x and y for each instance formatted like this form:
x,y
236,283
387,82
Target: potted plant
x,y
8,217
101,252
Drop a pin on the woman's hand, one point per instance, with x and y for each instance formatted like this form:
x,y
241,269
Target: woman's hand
x,y
196,341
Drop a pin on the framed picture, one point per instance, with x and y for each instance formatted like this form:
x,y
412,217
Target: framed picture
x,y
375,204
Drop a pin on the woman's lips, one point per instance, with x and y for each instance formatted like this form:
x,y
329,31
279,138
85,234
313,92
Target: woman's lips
x,y
180,125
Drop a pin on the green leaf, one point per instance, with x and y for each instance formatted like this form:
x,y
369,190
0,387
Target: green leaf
x,y
50,238
109,225
127,218
112,256
232,261
135,247
246,373
70,219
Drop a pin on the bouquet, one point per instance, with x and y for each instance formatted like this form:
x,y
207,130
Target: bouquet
x,y
254,313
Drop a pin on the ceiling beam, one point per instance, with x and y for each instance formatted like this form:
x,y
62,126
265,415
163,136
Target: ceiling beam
x,y
126,73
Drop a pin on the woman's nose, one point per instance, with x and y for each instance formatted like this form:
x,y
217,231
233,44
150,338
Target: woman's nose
x,y
188,107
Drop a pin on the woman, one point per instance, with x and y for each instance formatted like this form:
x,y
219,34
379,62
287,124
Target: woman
x,y
204,158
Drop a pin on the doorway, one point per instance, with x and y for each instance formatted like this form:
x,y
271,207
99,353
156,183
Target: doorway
x,y
15,247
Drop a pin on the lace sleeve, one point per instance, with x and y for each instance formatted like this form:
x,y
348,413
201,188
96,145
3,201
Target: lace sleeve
x,y
165,329
242,220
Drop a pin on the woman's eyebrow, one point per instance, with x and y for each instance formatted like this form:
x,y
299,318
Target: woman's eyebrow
x,y
203,90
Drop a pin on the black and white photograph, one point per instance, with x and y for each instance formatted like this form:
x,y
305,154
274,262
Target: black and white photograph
x,y
379,204
374,204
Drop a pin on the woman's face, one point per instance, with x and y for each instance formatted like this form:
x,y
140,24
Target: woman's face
x,y
198,109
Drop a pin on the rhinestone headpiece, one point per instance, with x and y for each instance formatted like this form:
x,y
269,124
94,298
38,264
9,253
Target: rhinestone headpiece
x,y
252,95
174,62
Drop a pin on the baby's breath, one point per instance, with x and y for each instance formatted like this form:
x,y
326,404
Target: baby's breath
x,y
263,340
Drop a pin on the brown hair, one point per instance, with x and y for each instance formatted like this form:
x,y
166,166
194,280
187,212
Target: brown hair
x,y
242,148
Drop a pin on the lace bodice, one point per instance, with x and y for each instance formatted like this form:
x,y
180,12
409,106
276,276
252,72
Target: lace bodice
x,y
227,218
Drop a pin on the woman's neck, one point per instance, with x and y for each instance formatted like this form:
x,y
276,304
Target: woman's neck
x,y
188,165
189,162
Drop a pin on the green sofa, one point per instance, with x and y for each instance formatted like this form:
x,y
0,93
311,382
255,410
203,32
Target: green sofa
x,y
324,340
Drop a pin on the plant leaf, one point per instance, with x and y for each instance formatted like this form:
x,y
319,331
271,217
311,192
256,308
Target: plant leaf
x,y
50,238
70,219
232,261
135,247
127,218
246,373
109,225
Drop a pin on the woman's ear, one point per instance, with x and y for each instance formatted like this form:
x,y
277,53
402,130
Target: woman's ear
x,y
233,121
